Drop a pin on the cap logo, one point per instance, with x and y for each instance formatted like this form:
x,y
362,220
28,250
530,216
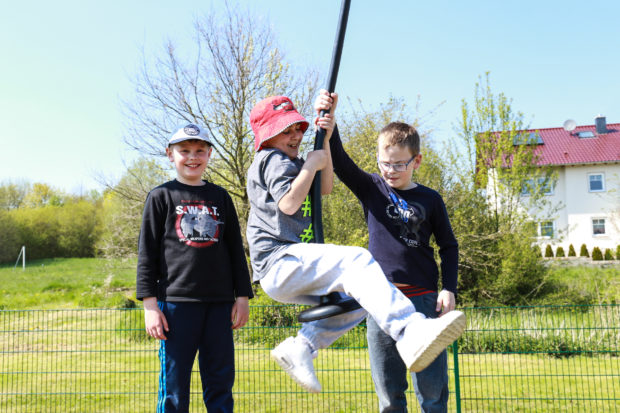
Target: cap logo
x,y
284,106
192,130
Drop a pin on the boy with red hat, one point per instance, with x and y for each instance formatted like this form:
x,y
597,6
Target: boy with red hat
x,y
293,270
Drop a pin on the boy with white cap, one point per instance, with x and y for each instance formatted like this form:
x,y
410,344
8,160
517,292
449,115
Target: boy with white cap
x,y
192,277
292,270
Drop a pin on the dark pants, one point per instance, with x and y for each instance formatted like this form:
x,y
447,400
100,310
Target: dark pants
x,y
390,374
196,327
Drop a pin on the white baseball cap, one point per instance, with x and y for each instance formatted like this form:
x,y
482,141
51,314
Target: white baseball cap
x,y
189,131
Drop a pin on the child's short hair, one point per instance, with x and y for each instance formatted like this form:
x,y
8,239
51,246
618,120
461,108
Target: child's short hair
x,y
401,134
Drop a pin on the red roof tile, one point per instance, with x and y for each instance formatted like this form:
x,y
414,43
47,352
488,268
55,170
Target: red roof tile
x,y
561,147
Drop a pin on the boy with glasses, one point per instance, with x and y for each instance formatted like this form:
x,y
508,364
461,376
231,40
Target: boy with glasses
x,y
292,270
402,216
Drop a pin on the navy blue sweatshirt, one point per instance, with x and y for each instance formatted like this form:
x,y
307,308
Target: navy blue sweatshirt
x,y
190,246
401,246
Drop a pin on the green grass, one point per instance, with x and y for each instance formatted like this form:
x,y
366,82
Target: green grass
x,y
68,283
100,361
601,283
98,282
73,359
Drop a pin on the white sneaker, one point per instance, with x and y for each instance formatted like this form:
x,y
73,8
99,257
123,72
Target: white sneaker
x,y
295,358
423,340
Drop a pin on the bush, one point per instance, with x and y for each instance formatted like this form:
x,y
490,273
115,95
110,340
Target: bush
x,y
537,251
584,251
618,252
597,255
571,251
609,256
548,251
560,252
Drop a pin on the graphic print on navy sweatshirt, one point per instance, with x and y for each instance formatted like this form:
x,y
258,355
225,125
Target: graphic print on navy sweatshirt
x,y
408,217
197,223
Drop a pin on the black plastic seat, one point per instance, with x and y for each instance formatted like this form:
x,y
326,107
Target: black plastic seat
x,y
330,305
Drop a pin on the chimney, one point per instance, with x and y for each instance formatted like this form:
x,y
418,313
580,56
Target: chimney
x,y
601,124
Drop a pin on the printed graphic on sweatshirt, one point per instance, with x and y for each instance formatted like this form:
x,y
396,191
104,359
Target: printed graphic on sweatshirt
x,y
197,224
307,235
408,217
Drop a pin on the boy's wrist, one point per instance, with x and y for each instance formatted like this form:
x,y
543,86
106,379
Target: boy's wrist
x,y
150,303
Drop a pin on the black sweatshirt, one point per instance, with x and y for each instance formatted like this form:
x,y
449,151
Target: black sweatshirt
x,y
190,246
401,248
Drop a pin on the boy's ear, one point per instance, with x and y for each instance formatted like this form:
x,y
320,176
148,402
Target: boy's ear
x,y
169,153
417,161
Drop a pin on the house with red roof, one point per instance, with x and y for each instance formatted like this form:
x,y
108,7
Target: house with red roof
x,y
587,164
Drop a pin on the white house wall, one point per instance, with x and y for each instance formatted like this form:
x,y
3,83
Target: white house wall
x,y
574,221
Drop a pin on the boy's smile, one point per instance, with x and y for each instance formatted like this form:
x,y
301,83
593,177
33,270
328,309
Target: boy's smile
x,y
190,159
287,141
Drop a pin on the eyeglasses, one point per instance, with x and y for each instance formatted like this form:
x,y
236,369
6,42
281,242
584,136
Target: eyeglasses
x,y
398,167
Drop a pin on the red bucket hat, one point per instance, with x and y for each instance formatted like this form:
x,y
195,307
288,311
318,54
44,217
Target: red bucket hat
x,y
271,116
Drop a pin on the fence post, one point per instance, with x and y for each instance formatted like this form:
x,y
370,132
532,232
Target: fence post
x,y
457,385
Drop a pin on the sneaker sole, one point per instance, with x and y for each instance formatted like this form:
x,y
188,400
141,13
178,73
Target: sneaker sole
x,y
286,366
446,337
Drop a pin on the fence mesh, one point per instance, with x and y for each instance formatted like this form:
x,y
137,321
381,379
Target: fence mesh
x,y
538,359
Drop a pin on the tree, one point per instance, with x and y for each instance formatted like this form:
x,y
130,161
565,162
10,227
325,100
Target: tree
x,y
12,194
235,63
583,251
549,251
502,156
486,168
41,195
571,251
121,215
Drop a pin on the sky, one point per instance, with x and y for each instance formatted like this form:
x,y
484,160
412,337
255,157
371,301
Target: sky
x,y
67,66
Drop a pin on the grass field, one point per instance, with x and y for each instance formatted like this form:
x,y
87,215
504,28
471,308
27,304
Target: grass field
x,y
68,283
70,357
102,283
101,360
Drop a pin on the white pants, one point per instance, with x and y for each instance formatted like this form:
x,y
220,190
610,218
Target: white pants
x,y
305,272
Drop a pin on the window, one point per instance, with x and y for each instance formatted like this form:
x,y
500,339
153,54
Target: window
x,y
532,138
585,134
543,184
598,226
596,182
546,229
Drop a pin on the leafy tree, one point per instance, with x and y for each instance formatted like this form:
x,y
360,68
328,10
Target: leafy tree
x,y
549,252
571,251
10,241
234,63
503,160
12,194
52,231
121,216
583,252
43,195
492,225
609,256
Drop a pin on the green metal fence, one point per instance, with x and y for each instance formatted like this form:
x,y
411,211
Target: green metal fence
x,y
538,359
